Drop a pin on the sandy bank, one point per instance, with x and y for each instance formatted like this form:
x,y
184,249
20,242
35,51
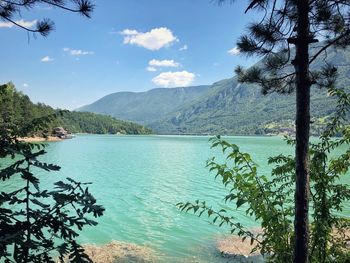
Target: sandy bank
x,y
233,248
122,252
40,139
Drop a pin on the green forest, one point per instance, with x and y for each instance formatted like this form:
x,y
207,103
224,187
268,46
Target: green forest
x,y
23,111
227,107
267,199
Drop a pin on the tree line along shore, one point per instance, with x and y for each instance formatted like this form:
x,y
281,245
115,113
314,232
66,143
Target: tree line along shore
x,y
23,112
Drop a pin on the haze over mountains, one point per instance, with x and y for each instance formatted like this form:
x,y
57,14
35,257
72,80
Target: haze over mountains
x,y
225,107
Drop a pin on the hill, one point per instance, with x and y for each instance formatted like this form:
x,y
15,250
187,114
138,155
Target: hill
x,y
225,107
144,107
234,108
22,111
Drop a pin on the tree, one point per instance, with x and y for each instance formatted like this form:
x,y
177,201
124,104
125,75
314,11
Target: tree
x,y
298,23
35,222
269,199
10,8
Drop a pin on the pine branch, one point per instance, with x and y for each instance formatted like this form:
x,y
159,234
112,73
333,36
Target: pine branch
x,y
329,44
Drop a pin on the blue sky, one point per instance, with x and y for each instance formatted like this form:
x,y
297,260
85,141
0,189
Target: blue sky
x,y
127,45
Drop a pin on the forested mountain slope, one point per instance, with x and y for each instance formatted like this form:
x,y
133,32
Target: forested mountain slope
x,y
233,108
144,107
17,107
225,107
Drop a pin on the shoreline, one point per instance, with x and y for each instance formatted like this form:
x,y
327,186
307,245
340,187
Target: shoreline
x,y
118,251
225,248
40,139
182,135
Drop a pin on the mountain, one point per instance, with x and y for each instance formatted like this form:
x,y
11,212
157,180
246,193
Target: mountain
x,y
225,107
19,110
144,107
234,108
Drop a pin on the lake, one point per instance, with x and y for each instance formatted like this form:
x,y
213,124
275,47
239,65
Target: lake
x,y
139,180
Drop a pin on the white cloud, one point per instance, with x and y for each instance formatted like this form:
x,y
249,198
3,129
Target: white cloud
x,y
174,79
77,52
131,32
46,59
155,39
185,47
151,69
234,51
27,24
25,85
163,63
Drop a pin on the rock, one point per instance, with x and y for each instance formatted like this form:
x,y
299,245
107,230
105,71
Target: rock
x,y
233,248
120,252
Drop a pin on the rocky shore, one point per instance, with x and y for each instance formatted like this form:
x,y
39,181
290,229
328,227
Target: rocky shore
x,y
230,248
120,252
40,139
236,250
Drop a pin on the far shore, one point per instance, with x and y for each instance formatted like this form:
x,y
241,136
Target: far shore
x,y
40,139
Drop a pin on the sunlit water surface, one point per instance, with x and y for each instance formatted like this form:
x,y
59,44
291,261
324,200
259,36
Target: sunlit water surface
x,y
140,179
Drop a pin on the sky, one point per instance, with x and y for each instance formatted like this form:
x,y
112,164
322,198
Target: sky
x,y
127,45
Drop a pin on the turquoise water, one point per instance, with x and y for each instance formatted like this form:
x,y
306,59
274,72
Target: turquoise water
x,y
139,179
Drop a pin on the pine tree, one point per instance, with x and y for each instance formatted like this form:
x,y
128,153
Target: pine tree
x,y
286,36
9,9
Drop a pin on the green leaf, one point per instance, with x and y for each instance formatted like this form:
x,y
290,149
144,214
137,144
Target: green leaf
x,y
240,202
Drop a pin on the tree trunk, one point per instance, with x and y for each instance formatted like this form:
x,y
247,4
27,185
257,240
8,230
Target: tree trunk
x,y
301,64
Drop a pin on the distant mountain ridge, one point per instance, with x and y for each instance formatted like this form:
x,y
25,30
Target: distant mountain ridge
x,y
225,107
144,107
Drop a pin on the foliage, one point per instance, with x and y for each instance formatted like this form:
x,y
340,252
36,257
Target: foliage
x,y
232,108
269,199
283,25
272,36
145,107
23,112
225,107
10,9
87,122
35,222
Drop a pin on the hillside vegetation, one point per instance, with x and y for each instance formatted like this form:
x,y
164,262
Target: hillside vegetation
x,y
22,112
145,107
225,107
